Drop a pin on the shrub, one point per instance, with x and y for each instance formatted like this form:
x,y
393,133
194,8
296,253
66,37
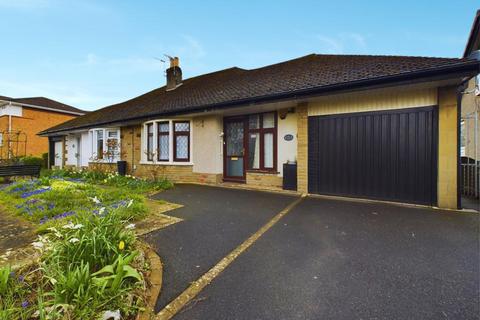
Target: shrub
x,y
30,160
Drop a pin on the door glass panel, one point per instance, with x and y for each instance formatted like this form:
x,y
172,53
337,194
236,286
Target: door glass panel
x,y
268,120
234,139
268,148
253,151
235,167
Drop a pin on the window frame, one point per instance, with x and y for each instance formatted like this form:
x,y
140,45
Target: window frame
x,y
181,134
172,160
163,133
148,136
261,131
94,146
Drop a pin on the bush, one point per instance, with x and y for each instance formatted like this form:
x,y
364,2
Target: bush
x,y
45,160
30,160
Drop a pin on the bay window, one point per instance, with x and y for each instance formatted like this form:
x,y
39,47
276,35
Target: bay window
x,y
172,141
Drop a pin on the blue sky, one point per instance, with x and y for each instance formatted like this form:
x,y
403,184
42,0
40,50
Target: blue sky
x,y
94,53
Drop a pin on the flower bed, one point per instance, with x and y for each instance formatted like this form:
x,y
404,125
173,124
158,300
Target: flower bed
x,y
110,179
88,267
89,264
49,199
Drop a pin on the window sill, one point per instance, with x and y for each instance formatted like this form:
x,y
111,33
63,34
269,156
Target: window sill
x,y
104,162
160,163
263,171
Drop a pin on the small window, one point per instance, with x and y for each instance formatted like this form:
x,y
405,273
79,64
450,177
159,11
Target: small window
x,y
181,141
99,144
268,120
163,141
262,141
112,145
150,141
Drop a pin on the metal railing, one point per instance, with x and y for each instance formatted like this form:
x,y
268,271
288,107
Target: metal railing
x,y
471,179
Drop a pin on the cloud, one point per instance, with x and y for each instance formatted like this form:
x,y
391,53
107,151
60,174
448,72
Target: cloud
x,y
342,43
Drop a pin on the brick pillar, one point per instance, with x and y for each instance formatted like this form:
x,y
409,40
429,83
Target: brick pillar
x,y
302,147
447,147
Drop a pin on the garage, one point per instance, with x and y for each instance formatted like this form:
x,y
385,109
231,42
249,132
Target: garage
x,y
383,155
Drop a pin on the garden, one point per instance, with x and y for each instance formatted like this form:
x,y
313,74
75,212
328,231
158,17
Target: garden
x,y
90,263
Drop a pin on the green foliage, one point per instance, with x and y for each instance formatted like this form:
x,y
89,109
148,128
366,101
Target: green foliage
x,y
30,160
112,179
14,295
88,258
92,239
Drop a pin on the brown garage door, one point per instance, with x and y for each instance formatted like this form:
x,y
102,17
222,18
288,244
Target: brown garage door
x,y
387,155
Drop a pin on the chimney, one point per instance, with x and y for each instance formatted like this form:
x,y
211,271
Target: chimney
x,y
174,74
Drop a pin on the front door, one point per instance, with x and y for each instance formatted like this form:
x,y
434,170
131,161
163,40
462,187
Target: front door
x,y
78,155
234,149
58,154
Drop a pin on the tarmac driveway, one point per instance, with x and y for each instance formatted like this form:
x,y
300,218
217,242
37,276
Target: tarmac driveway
x,y
330,259
216,221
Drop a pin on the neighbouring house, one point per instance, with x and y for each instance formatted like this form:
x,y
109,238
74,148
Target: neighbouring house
x,y
377,127
22,118
470,119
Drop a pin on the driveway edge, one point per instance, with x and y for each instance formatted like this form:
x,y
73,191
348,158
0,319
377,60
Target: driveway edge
x,y
155,279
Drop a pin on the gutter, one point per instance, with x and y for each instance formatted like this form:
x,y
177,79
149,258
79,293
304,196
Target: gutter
x,y
463,67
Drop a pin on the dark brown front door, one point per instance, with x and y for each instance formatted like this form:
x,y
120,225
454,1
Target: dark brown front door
x,y
234,149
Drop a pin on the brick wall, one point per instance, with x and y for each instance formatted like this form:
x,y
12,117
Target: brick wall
x,y
447,147
302,147
32,122
266,180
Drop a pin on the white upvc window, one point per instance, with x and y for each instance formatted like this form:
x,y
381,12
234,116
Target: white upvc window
x,y
105,144
167,141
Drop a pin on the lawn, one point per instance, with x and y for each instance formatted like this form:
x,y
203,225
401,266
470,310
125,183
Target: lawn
x,y
90,263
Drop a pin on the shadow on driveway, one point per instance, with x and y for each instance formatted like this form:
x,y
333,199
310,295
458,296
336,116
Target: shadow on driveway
x,y
217,220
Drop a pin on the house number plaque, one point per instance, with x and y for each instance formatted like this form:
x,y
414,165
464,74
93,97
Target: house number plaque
x,y
288,137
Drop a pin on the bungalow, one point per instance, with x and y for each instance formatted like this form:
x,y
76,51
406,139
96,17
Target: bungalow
x,y
377,127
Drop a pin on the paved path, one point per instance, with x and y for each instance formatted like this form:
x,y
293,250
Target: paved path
x,y
14,234
216,221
